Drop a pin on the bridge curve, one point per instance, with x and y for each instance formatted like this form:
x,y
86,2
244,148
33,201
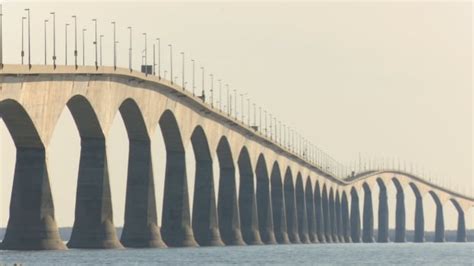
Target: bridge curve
x,y
262,193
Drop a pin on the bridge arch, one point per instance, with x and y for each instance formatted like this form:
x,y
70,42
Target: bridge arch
x,y
439,219
368,215
338,222
290,208
227,205
302,216
140,226
326,214
461,230
204,221
319,213
400,216
383,212
31,212
310,211
345,218
332,215
278,205
93,224
264,206
176,229
247,200
419,214
355,216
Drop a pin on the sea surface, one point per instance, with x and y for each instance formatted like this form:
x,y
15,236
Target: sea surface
x,y
309,254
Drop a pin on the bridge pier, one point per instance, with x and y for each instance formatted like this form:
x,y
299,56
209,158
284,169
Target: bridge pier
x,y
345,219
290,207
278,207
400,216
439,224
419,220
368,216
461,233
319,216
339,231
264,206
302,216
310,211
383,236
332,217
140,227
355,217
31,225
326,216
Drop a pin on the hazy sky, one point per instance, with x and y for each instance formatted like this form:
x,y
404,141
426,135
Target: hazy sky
x,y
383,79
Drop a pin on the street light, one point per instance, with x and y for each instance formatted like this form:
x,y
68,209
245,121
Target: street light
x,y
45,42
146,62
100,40
22,39
182,72
203,95
212,89
242,106
154,62
228,101
95,43
115,45
65,48
54,39
159,58
194,85
220,95
83,47
75,41
29,39
129,50
171,62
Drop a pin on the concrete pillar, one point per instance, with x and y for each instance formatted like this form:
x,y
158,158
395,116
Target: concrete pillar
x,y
31,224
339,219
204,222
368,216
346,223
228,207
290,207
327,217
383,236
400,218
461,233
355,218
419,220
265,211
93,226
439,226
310,211
140,228
302,216
318,209
176,225
332,217
278,207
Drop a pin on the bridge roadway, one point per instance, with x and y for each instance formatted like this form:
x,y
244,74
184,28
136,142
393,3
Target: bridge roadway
x,y
262,193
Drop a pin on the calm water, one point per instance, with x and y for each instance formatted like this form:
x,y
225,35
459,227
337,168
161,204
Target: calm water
x,y
380,254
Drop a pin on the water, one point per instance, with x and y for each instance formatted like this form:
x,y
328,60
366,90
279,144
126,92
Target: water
x,y
329,254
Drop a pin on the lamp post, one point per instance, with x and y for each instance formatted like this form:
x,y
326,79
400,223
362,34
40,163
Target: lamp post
x,y
65,42
194,85
146,58
75,41
212,89
83,47
115,44
95,44
29,39
171,62
203,95
130,51
154,61
159,58
22,39
228,100
235,103
45,42
220,95
182,71
54,38
248,111
100,40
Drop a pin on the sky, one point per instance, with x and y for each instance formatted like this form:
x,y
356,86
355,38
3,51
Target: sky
x,y
371,80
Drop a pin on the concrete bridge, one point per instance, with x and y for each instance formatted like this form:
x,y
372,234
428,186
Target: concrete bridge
x,y
262,193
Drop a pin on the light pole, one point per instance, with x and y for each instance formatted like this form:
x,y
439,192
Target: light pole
x,y
235,103
75,41
115,45
182,71
203,95
248,111
95,43
83,47
159,58
45,42
254,114
54,39
22,39
154,62
65,48
265,116
100,40
212,89
228,101
220,95
29,39
171,62
130,50
146,62
194,85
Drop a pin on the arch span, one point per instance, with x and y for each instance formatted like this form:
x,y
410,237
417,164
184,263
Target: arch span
x,y
355,216
400,220
461,231
368,216
31,205
439,219
419,215
383,215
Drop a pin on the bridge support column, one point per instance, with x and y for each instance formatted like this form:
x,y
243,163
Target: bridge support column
x,y
339,231
302,216
93,226
319,216
368,216
264,208
355,218
327,217
332,217
439,226
383,236
278,207
419,220
31,225
310,211
140,228
461,233
346,223
291,212
400,218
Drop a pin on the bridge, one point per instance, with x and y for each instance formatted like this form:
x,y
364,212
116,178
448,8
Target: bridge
x,y
264,192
